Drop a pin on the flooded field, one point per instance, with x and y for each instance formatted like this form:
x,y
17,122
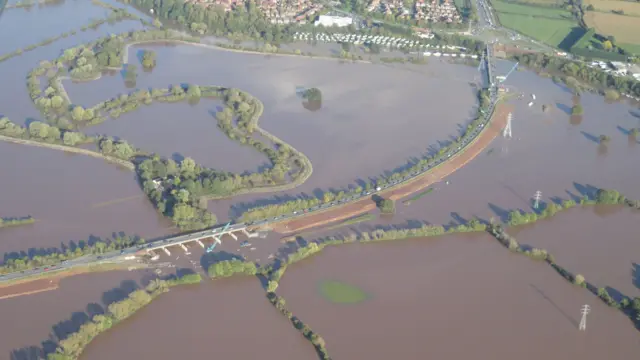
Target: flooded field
x,y
229,317
599,243
364,109
437,295
548,152
15,102
40,319
72,197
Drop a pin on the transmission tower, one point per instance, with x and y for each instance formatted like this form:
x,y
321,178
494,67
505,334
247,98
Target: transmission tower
x,y
536,199
507,130
583,322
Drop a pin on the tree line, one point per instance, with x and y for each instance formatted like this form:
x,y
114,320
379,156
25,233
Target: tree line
x,y
602,196
16,221
19,261
74,344
574,73
42,132
630,307
307,202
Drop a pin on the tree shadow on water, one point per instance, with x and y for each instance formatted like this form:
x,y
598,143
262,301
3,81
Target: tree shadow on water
x,y
586,190
591,137
635,274
120,293
62,329
503,214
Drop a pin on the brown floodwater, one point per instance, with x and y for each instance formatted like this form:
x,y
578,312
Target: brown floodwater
x,y
453,297
546,153
72,197
229,318
360,131
40,319
600,243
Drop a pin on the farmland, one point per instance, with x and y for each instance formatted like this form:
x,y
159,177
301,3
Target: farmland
x,y
629,8
553,26
623,27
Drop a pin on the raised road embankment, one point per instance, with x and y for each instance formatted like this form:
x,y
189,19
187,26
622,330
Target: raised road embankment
x,y
337,213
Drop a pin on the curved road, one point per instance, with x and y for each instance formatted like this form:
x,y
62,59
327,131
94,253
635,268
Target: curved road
x,y
119,256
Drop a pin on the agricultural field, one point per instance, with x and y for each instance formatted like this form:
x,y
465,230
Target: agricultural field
x,y
629,8
553,26
623,27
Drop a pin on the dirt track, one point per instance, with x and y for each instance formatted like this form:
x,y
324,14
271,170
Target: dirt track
x,y
435,175
28,288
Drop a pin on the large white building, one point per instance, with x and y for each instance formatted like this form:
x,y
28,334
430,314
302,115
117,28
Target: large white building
x,y
328,21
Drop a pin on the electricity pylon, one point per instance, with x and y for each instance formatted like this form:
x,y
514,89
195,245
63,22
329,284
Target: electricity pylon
x,y
536,199
507,130
583,322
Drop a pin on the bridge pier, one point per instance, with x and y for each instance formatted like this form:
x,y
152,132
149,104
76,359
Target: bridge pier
x,y
249,234
200,243
166,251
233,236
185,249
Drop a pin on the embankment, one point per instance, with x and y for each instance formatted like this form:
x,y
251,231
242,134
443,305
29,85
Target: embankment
x,y
126,164
420,182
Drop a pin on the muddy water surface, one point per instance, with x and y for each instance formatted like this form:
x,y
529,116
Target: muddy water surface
x,y
42,318
364,107
599,243
546,153
228,319
72,197
452,298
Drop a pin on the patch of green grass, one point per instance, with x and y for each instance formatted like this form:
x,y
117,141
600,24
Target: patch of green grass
x,y
417,196
341,293
546,24
632,48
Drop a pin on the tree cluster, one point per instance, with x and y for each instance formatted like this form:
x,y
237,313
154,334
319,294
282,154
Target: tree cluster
x,y
227,268
573,73
41,132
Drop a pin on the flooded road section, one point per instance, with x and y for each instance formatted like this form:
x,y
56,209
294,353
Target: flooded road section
x,y
229,318
453,297
72,197
599,243
40,319
373,117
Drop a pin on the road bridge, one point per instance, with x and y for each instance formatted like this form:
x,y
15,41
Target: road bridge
x,y
197,237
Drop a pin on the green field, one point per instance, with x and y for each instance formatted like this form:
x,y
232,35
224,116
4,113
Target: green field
x,y
632,48
552,26
341,293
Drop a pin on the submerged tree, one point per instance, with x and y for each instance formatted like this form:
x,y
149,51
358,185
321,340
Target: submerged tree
x,y
312,99
148,59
